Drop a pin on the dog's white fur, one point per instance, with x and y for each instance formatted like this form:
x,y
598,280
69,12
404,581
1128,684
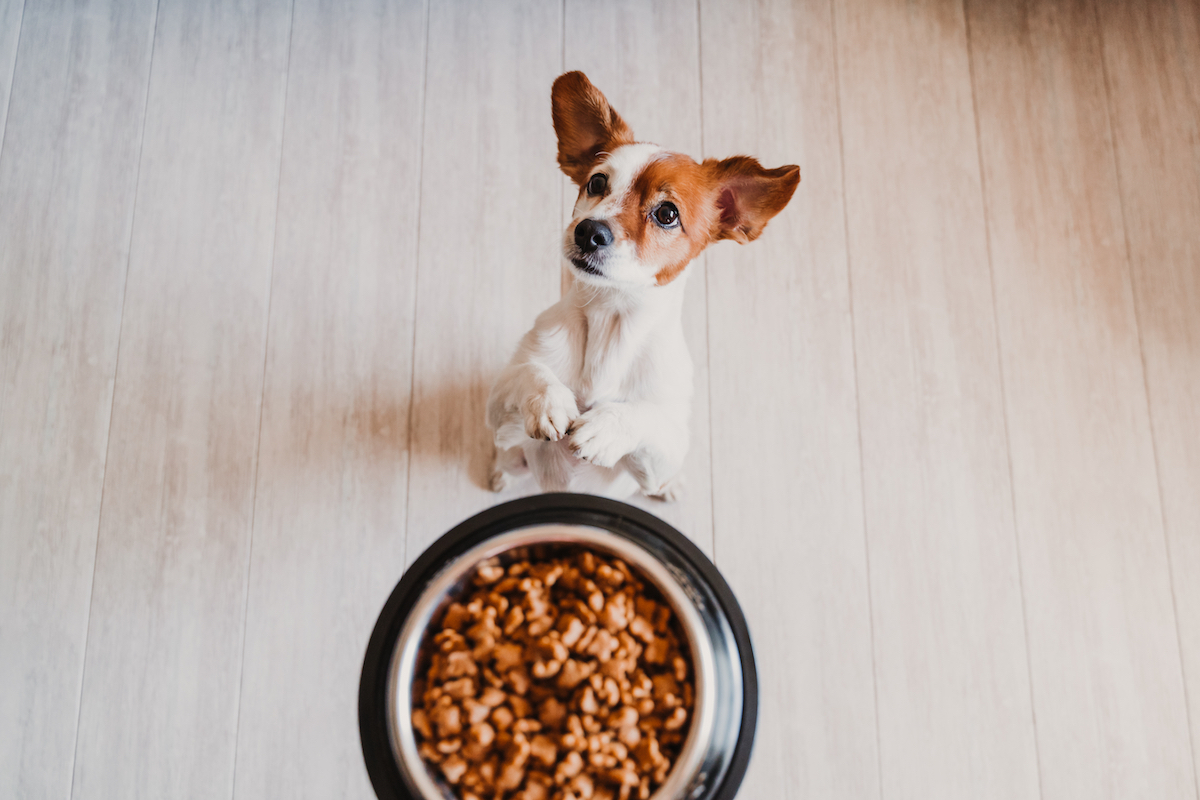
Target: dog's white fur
x,y
598,397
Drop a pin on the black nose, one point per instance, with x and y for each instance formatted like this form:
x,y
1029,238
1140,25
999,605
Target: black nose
x,y
592,234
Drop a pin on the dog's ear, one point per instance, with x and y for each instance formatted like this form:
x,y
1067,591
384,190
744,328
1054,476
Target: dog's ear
x,y
748,196
586,125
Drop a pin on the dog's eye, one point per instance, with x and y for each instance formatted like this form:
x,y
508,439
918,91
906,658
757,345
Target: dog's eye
x,y
666,215
597,184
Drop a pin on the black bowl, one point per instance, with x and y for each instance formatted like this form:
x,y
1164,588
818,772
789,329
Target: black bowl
x,y
723,767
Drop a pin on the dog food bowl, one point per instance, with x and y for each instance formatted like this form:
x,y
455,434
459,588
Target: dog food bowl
x,y
714,756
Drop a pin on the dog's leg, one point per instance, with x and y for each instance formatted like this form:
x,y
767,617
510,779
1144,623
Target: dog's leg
x,y
669,492
551,464
516,455
546,406
649,440
658,478
507,467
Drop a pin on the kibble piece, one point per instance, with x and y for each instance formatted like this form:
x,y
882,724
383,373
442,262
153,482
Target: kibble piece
x,y
630,735
527,725
587,702
640,627
507,656
448,720
429,752
568,768
657,650
609,576
573,673
572,628
614,616
535,789
482,733
512,773
544,750
514,620
552,712
623,717
476,711
454,768
489,574
503,718
458,664
582,786
456,617
420,721
664,685
492,697
518,679
546,669
520,706
595,601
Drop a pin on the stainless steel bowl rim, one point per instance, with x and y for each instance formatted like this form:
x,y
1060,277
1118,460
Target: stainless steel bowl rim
x,y
681,597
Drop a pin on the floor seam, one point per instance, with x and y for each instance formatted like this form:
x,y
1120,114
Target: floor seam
x,y
116,373
1012,486
237,730
857,400
412,365
1162,511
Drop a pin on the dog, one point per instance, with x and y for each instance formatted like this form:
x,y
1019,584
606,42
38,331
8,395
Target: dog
x,y
598,396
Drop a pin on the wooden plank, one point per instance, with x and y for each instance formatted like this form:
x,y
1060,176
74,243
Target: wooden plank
x,y
159,706
787,501
68,175
955,713
489,252
1152,60
333,465
646,61
10,32
1104,653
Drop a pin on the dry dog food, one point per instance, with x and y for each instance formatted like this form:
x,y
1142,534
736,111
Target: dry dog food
x,y
558,679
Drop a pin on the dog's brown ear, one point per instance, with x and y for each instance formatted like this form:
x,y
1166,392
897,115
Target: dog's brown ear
x,y
586,125
748,196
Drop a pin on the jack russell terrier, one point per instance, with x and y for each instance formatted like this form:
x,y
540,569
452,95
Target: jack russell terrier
x,y
598,396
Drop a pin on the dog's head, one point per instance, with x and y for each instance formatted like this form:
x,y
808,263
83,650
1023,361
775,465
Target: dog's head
x,y
643,213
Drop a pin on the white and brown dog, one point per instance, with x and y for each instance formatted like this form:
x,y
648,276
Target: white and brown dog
x,y
598,396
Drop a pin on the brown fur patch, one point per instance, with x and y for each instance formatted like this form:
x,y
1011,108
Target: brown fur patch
x,y
677,179
730,199
748,195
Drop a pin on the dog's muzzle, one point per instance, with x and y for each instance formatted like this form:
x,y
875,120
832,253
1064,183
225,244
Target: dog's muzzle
x,y
591,237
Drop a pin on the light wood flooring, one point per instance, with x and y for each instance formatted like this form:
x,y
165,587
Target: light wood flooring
x,y
259,262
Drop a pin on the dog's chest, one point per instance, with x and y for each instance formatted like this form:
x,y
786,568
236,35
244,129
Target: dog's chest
x,y
613,359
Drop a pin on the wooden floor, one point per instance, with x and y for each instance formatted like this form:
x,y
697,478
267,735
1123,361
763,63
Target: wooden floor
x,y
259,263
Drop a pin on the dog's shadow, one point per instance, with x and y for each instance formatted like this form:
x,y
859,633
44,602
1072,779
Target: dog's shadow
x,y
448,428
438,434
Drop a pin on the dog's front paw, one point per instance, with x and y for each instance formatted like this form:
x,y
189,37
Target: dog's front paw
x,y
601,436
549,413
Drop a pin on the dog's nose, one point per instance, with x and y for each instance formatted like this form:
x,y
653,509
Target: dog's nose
x,y
592,234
